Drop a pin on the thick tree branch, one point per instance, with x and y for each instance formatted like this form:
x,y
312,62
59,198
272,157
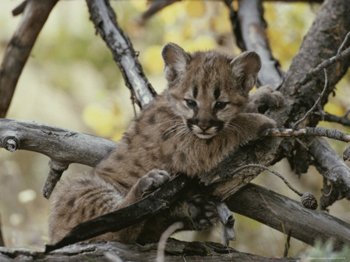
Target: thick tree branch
x,y
54,143
105,21
252,37
113,251
333,169
60,145
286,215
322,41
18,50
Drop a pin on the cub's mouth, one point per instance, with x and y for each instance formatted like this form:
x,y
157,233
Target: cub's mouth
x,y
204,135
204,130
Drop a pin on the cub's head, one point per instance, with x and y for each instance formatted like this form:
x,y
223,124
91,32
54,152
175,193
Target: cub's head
x,y
208,89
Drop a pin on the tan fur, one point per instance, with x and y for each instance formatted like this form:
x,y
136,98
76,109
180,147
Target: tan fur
x,y
161,138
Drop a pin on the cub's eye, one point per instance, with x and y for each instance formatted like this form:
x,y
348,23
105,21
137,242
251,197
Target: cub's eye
x,y
191,103
220,105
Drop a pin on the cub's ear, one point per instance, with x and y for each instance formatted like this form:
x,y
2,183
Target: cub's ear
x,y
245,68
175,59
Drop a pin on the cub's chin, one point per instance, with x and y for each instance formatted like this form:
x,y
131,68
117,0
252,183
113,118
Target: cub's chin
x,y
204,135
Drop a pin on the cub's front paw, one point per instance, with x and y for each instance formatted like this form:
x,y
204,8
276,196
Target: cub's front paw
x,y
151,181
202,212
266,123
265,98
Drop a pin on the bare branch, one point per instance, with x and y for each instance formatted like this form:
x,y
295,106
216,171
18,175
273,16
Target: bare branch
x,y
330,165
67,146
104,19
20,8
2,242
287,244
17,52
265,168
344,44
175,251
252,36
344,120
326,63
58,144
308,131
56,171
275,210
155,7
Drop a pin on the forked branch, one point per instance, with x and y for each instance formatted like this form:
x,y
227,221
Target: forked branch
x,y
18,50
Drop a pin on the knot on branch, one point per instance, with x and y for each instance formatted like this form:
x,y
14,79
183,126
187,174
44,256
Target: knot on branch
x,y
10,143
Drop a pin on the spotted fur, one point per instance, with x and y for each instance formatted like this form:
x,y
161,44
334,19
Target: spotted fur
x,y
189,128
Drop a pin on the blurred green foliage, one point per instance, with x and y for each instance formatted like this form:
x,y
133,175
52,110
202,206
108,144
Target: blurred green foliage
x,y
71,81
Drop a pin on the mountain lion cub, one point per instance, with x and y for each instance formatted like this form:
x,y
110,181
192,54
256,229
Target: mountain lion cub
x,y
189,128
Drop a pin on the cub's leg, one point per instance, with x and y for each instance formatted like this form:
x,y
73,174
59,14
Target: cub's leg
x,y
75,200
81,199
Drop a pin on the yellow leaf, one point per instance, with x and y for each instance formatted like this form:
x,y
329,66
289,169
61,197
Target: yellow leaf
x,y
200,43
117,135
99,119
169,15
334,109
195,8
140,5
152,60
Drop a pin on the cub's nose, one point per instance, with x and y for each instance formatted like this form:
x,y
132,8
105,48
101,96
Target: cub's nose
x,y
204,124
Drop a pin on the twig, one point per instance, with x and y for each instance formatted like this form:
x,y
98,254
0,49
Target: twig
x,y
308,200
297,123
344,43
2,242
344,120
326,63
163,239
56,171
308,131
19,48
105,21
287,244
239,169
20,8
155,7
